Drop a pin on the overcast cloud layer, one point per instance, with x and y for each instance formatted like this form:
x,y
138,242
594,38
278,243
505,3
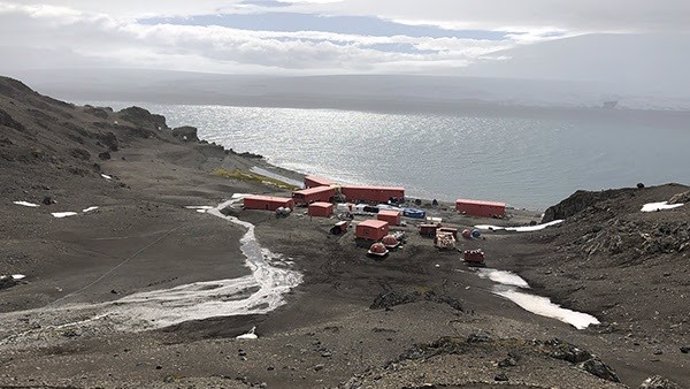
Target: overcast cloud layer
x,y
506,38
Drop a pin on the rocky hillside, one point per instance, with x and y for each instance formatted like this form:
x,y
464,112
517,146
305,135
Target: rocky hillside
x,y
46,143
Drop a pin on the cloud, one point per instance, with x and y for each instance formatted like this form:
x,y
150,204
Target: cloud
x,y
121,42
523,15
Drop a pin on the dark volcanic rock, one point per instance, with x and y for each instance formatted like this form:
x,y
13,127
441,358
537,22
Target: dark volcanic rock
x,y
81,154
392,298
104,156
99,112
658,382
7,282
7,121
576,203
567,351
186,134
443,299
143,118
680,198
109,140
598,368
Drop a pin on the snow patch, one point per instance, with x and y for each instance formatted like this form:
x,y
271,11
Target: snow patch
x,y
61,215
544,307
249,335
503,277
511,286
26,204
89,209
660,206
107,177
18,277
538,227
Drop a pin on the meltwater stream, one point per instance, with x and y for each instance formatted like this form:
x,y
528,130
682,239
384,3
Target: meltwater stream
x,y
259,292
512,287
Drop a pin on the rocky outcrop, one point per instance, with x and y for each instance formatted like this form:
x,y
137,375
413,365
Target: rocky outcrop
x,y
141,117
680,198
7,121
186,134
658,382
579,202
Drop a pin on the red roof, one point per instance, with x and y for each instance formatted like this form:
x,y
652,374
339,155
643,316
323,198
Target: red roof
x,y
320,205
389,212
319,180
373,187
480,202
373,223
316,189
268,198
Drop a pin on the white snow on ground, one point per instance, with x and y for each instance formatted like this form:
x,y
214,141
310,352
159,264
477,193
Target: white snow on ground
x,y
512,287
503,277
89,209
61,215
660,206
107,177
260,292
249,335
26,204
18,277
537,227
544,307
199,208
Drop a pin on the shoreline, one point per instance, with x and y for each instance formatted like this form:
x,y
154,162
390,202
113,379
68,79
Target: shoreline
x,y
351,320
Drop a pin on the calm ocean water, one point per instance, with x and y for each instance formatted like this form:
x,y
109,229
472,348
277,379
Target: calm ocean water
x,y
526,162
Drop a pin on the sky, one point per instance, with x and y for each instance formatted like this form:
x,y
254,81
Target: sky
x,y
638,42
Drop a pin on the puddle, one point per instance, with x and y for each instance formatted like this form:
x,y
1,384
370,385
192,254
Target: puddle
x,y
512,287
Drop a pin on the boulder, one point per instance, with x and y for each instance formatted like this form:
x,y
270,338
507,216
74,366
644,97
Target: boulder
x,y
680,198
598,368
658,382
143,118
109,140
186,134
7,282
104,156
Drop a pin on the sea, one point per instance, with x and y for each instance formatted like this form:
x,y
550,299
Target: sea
x,y
526,160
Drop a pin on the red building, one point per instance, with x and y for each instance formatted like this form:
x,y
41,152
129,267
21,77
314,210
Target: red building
x,y
372,194
392,217
372,230
320,209
313,181
480,208
267,203
310,195
428,229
